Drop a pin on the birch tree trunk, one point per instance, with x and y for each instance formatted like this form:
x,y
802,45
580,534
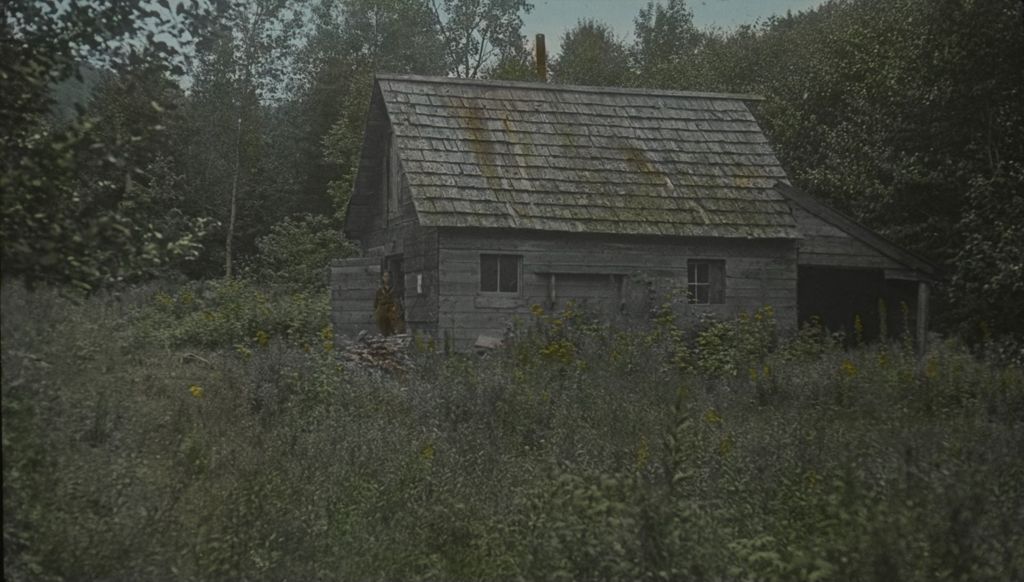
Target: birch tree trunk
x,y
228,271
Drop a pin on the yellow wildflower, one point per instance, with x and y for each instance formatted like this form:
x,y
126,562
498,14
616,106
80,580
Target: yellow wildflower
x,y
643,453
712,416
262,338
811,479
196,391
848,368
725,446
427,452
562,350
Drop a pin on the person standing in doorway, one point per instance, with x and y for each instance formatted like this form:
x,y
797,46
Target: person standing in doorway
x,y
385,306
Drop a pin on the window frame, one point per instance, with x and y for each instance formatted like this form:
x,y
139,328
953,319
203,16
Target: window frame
x,y
498,278
714,281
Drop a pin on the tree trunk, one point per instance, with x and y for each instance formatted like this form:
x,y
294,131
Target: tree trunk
x,y
228,272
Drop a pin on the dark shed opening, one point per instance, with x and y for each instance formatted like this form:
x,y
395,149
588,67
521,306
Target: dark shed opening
x,y
836,296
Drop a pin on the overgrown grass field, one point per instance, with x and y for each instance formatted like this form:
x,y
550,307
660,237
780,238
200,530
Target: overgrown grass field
x,y
211,432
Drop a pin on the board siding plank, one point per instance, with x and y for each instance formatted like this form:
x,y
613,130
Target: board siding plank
x,y
757,272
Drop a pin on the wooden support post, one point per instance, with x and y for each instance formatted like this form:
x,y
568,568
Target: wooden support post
x,y
923,292
622,293
551,290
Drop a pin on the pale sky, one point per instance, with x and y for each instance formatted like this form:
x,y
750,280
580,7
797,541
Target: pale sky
x,y
554,17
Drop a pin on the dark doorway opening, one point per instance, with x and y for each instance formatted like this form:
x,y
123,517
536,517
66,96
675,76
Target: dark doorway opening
x,y
393,265
837,297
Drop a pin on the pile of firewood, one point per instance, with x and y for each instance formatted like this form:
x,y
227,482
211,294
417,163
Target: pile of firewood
x,y
378,351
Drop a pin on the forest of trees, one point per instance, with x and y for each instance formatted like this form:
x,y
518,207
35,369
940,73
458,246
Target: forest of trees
x,y
201,127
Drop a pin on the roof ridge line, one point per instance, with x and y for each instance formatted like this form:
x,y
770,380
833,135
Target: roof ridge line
x,y
573,88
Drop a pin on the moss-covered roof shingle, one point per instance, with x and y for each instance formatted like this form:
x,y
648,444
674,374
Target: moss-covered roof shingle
x,y
585,159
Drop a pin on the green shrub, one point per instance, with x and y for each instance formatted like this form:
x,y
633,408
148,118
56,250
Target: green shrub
x,y
296,253
235,313
730,348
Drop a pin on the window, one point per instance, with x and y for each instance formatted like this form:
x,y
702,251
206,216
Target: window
x,y
500,273
706,281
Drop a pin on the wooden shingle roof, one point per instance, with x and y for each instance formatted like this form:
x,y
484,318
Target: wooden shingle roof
x,y
584,159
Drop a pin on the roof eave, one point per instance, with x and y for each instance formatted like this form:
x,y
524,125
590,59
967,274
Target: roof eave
x,y
427,221
858,231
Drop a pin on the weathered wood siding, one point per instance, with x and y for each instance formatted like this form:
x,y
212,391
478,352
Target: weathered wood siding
x,y
383,232
418,247
402,235
825,245
353,286
617,274
363,213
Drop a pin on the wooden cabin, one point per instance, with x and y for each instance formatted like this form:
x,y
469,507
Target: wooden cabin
x,y
486,198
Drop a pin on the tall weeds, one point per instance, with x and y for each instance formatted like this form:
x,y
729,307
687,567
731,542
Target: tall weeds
x,y
134,448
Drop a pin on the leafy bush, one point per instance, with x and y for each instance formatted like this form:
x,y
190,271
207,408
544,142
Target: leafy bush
x,y
297,252
731,347
234,313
